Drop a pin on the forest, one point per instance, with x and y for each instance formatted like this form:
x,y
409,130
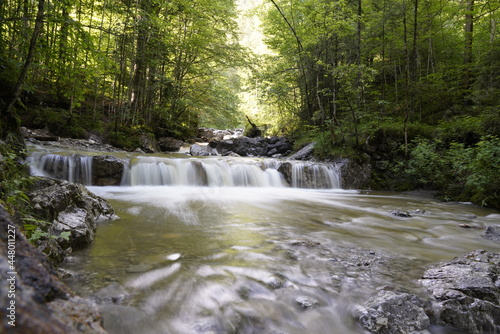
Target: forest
x,y
411,87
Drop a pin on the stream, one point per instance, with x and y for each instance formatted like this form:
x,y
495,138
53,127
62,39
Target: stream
x,y
246,252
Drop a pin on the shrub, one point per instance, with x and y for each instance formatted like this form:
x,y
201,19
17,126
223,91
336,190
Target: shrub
x,y
458,172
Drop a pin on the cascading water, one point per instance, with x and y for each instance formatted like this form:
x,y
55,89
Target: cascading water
x,y
183,171
201,172
72,168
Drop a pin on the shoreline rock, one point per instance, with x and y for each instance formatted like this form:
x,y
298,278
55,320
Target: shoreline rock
x,y
70,207
467,292
43,303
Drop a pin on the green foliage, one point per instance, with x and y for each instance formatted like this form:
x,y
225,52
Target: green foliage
x,y
459,172
60,122
36,229
126,138
133,62
14,180
464,129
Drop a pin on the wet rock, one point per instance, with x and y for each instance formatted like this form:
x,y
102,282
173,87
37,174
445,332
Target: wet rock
x,y
201,151
208,134
78,315
168,144
43,303
472,226
123,319
71,208
275,282
467,292
306,243
112,294
492,233
139,268
201,177
404,214
107,170
248,147
355,175
279,146
393,312
305,302
286,170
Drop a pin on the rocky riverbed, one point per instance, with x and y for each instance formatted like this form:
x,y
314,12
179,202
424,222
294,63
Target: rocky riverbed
x,y
461,294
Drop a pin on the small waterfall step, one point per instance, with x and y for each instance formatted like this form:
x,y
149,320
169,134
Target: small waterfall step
x,y
211,172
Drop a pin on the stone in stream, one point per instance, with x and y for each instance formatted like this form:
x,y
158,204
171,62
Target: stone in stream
x,y
394,312
467,292
305,302
71,208
492,233
107,170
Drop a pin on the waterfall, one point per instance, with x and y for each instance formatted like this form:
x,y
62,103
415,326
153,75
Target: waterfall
x,y
310,175
201,172
184,171
74,168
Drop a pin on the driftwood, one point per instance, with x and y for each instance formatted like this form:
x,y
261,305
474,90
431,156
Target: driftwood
x,y
254,131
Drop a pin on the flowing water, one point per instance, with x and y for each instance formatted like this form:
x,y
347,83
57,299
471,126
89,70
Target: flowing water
x,y
242,251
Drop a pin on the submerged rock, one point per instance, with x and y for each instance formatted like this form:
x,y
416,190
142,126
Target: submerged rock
x,y
404,214
492,233
467,292
393,312
306,302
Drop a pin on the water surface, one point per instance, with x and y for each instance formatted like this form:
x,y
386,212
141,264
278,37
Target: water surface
x,y
189,259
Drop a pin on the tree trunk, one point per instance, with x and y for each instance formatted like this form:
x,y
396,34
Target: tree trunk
x,y
468,31
10,126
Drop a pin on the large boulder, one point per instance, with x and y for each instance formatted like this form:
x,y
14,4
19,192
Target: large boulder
x,y
394,312
355,175
148,143
467,292
107,170
70,207
201,151
168,144
39,302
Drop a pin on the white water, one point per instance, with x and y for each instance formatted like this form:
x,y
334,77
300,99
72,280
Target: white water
x,y
185,171
223,260
72,168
